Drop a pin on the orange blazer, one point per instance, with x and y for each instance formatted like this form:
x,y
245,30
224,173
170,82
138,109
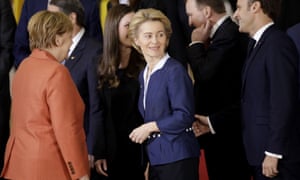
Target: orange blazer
x,y
47,140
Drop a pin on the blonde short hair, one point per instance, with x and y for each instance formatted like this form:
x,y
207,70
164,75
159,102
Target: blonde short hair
x,y
144,15
44,26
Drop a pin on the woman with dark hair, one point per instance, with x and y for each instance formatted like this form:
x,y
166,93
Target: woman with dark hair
x,y
119,67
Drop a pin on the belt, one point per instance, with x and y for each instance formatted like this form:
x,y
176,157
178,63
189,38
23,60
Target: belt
x,y
157,134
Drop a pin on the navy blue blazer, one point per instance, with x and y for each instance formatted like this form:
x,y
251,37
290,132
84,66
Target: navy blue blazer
x,y
270,99
21,46
82,65
170,103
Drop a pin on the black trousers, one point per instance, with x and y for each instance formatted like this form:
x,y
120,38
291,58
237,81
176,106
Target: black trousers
x,y
179,170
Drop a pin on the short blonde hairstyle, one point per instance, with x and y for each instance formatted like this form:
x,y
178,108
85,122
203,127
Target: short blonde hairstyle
x,y
44,26
144,15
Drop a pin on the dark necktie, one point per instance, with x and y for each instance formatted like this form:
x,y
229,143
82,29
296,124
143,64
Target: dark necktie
x,y
251,45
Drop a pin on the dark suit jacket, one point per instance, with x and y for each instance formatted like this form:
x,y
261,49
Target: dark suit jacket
x,y
82,65
7,30
169,102
180,38
21,46
217,73
269,99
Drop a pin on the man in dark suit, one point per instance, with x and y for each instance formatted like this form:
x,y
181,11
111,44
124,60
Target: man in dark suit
x,y
7,30
216,55
269,94
21,45
82,64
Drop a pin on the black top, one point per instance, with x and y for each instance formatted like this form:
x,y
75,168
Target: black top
x,y
121,116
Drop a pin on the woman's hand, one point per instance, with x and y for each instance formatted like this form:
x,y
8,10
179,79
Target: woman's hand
x,y
141,133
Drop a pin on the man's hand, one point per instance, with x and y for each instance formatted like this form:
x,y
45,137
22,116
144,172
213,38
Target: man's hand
x,y
269,166
101,167
200,126
202,33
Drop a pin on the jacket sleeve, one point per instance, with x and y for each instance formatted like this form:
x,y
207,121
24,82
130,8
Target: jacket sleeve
x,y
66,113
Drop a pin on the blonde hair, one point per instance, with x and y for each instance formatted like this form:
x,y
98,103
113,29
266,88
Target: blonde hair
x,y
44,26
144,15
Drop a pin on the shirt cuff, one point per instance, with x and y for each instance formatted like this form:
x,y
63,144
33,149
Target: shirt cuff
x,y
273,155
195,42
210,126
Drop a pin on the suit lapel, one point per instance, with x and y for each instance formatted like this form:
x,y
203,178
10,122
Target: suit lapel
x,y
76,54
253,54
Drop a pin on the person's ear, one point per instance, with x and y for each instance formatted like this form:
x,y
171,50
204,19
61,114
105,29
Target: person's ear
x,y
58,40
136,41
73,17
207,11
255,6
167,43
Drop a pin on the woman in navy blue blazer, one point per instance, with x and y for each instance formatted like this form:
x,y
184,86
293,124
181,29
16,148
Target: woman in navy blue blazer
x,y
166,102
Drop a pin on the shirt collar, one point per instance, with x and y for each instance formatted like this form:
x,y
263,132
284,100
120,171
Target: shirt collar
x,y
76,40
217,25
259,33
124,2
159,65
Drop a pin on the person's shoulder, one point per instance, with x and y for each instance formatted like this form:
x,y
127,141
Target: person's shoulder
x,y
89,39
229,23
295,29
92,42
274,34
173,64
278,39
228,30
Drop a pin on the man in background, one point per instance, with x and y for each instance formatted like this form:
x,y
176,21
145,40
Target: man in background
x,y
216,54
21,44
82,63
7,30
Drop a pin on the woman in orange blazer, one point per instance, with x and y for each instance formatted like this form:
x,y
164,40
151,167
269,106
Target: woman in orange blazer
x,y
47,140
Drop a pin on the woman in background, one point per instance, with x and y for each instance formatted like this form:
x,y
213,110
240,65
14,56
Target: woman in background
x,y
47,139
116,156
